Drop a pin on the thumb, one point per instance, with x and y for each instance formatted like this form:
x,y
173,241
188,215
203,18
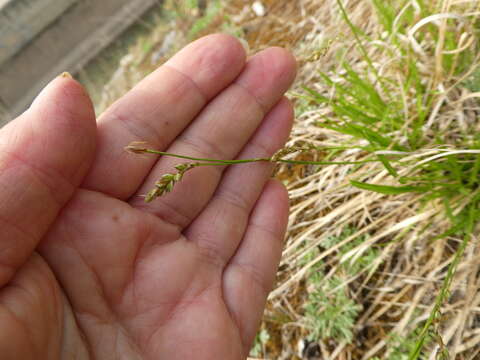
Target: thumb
x,y
44,155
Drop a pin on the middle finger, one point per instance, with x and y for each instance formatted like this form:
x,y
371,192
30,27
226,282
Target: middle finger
x,y
220,131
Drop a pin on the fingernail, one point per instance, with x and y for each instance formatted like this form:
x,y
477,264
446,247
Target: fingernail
x,y
66,75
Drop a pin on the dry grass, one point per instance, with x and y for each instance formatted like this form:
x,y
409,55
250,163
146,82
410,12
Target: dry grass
x,y
396,288
398,294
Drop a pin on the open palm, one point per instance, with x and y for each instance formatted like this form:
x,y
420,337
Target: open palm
x,y
88,270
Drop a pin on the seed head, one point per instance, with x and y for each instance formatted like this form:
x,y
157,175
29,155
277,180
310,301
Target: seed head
x,y
306,147
168,181
137,147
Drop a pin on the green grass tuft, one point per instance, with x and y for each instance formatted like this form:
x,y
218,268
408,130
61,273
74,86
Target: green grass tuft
x,y
363,108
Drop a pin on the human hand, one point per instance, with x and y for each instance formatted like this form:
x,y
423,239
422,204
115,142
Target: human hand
x,y
88,270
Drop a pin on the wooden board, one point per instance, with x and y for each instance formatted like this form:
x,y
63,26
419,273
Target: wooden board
x,y
22,20
67,44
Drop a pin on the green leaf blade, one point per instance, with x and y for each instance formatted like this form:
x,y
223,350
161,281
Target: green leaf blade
x,y
389,190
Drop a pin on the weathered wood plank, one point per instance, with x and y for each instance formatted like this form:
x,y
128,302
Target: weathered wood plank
x,y
66,45
22,20
4,3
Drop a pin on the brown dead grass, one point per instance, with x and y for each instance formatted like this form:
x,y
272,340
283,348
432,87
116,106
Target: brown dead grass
x,y
411,268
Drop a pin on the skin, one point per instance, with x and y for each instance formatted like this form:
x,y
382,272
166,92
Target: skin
x,y
90,271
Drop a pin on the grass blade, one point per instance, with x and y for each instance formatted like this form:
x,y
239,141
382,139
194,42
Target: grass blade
x,y
389,190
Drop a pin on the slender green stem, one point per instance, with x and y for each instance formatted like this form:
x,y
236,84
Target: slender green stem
x,y
357,38
414,355
218,162
210,164
300,162
363,50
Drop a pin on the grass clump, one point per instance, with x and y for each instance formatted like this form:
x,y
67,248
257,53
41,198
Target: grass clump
x,y
390,93
440,164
